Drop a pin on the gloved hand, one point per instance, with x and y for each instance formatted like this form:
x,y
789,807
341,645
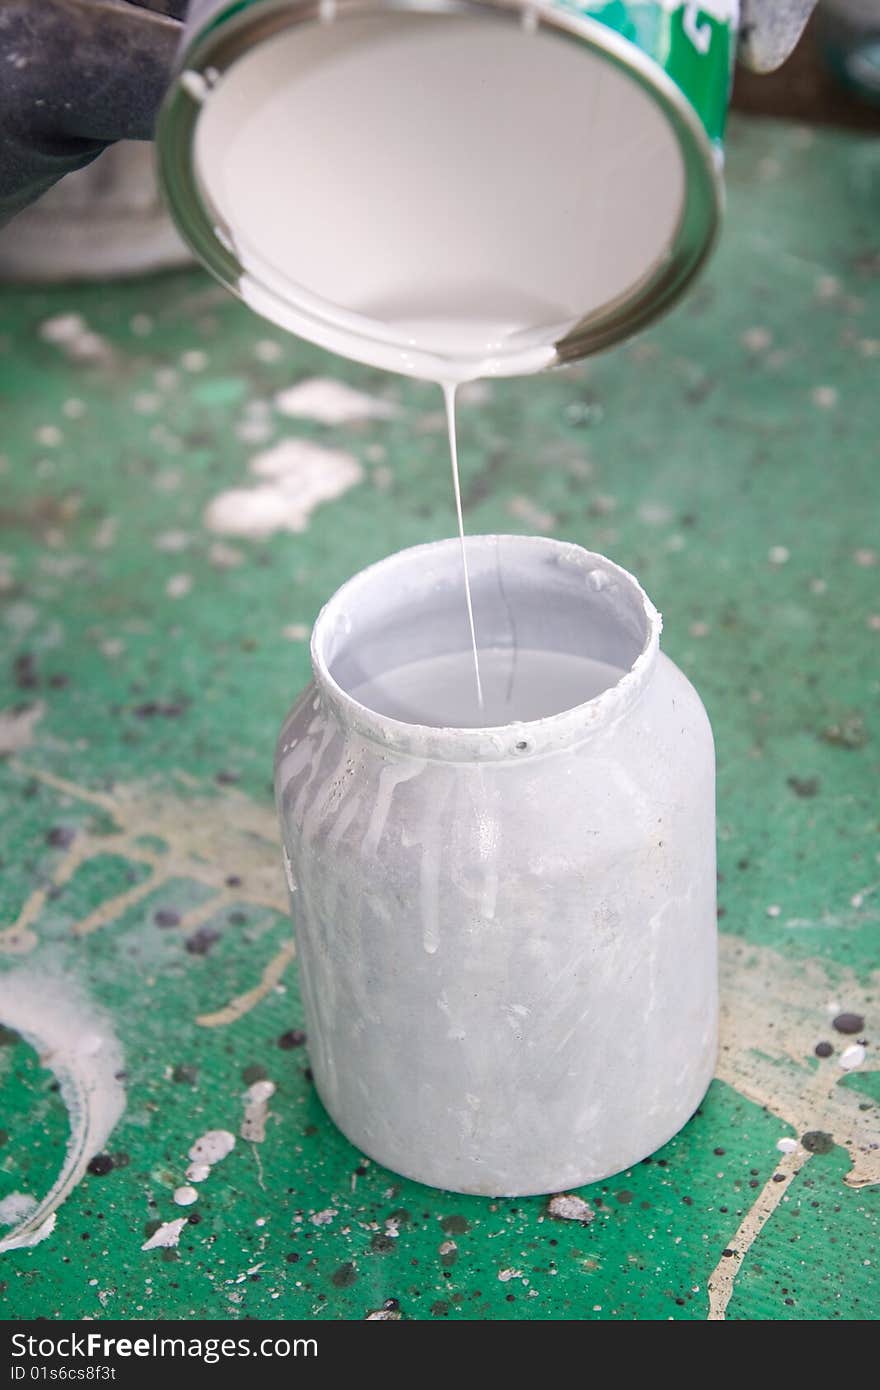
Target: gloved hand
x,y
77,75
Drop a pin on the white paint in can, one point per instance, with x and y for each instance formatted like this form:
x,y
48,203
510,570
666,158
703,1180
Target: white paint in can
x,y
443,196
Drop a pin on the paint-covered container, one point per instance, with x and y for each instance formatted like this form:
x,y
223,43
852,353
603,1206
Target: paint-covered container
x,y
451,188
506,934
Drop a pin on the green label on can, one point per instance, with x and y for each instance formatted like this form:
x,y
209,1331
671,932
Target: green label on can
x,y
694,44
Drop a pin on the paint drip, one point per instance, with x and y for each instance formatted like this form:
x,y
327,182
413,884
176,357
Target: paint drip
x,y
76,1042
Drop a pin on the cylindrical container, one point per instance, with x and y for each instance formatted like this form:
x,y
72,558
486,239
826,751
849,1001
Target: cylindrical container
x,y
849,35
506,935
103,222
451,188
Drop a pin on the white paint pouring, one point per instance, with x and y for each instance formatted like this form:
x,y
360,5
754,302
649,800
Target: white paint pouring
x,y
487,199
449,400
76,1042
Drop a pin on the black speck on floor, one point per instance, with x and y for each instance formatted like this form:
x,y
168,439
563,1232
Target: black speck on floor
x,y
849,1023
294,1037
823,1049
61,836
24,670
849,733
201,941
455,1225
803,786
185,1074
344,1276
624,1197
381,1244
816,1141
226,778
166,917
100,1165
253,1073
440,1309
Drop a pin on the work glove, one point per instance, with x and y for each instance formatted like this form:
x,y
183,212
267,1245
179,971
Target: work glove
x,y
75,75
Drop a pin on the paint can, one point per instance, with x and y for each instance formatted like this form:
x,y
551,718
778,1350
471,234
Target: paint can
x,y
373,174
506,936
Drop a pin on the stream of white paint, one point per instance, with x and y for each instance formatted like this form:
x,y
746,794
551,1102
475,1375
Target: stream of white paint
x,y
449,402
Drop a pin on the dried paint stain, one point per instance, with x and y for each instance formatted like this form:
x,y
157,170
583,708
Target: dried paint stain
x,y
166,1236
332,403
567,1207
78,1045
256,1111
298,476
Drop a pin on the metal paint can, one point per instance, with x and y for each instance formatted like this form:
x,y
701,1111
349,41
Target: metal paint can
x,y
672,57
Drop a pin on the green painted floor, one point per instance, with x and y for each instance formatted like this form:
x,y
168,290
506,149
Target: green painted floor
x,y
729,458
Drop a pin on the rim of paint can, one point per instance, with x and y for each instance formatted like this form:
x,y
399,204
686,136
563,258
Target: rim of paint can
x,y
605,585
237,28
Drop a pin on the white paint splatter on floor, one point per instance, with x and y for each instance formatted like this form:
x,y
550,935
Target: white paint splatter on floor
x,y
15,1207
852,1057
72,335
172,542
524,509
256,1111
179,585
17,727
77,1044
194,360
323,1218
298,476
225,557
212,1147
167,1235
332,403
566,1206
